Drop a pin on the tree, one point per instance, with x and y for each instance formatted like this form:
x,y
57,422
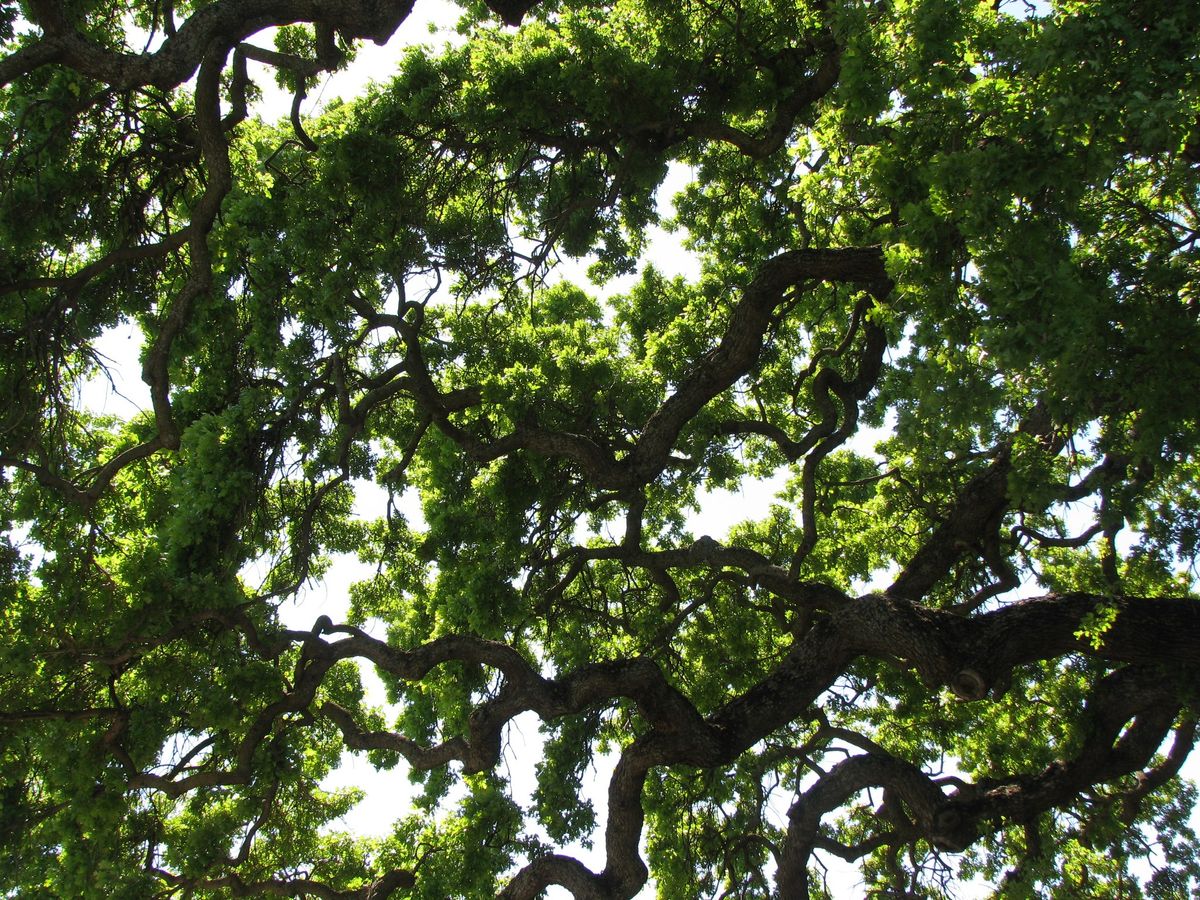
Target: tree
x,y
948,300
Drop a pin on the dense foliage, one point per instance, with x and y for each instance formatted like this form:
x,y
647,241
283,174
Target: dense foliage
x,y
948,301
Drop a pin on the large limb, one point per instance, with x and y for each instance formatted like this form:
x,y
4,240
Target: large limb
x,y
223,23
1129,713
716,371
964,653
941,646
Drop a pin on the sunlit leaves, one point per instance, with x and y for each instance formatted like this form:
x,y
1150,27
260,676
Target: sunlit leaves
x,y
371,313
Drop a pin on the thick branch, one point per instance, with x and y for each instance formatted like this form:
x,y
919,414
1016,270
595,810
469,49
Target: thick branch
x,y
221,23
978,509
716,371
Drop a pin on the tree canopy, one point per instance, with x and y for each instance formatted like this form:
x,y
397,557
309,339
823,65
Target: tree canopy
x,y
947,302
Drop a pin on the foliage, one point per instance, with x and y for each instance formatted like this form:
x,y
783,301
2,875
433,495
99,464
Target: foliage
x,y
946,308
